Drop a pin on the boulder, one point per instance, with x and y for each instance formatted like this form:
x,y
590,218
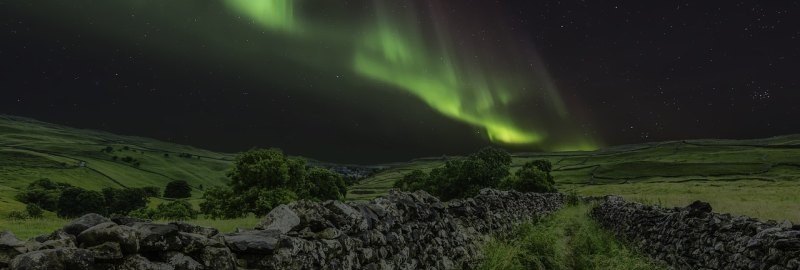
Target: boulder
x,y
137,262
194,229
217,258
158,237
182,262
254,242
83,223
61,258
282,218
10,247
126,237
107,251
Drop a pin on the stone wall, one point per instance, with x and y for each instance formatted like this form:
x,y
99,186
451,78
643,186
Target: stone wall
x,y
693,237
398,231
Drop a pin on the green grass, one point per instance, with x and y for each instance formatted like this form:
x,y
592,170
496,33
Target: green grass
x,y
31,150
758,177
567,240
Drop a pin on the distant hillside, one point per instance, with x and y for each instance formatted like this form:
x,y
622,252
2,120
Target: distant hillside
x,y
31,150
757,177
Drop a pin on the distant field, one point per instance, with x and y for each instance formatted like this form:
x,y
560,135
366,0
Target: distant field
x,y
31,150
759,178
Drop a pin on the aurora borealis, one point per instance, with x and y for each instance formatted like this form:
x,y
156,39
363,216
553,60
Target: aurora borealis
x,y
322,77
393,49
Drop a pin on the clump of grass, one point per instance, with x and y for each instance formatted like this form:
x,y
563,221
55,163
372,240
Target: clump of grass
x,y
567,240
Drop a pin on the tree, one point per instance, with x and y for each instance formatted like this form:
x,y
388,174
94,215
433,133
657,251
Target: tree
x,y
178,189
42,192
326,185
123,201
534,176
266,200
34,211
220,202
458,178
262,168
75,202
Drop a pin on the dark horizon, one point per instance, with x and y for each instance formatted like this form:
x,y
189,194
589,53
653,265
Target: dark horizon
x,y
524,75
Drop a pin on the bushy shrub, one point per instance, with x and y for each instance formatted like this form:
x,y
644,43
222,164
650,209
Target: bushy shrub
x,y
174,210
533,177
459,178
151,191
220,202
16,215
43,192
75,202
178,189
34,211
262,179
123,201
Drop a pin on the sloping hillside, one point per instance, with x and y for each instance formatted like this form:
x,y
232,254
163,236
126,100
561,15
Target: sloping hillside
x,y
31,150
757,177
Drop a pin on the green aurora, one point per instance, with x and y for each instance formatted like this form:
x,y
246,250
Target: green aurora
x,y
499,90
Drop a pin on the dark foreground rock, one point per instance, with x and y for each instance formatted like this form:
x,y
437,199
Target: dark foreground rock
x,y
693,237
397,231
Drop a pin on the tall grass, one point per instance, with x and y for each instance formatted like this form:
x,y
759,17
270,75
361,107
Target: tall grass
x,y
567,240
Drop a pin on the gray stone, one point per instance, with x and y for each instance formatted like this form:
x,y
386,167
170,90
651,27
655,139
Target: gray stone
x,y
182,262
107,251
158,237
194,229
282,218
217,258
126,237
137,262
10,247
257,241
83,223
62,258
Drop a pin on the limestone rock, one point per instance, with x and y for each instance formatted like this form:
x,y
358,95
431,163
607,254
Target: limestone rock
x,y
282,218
83,223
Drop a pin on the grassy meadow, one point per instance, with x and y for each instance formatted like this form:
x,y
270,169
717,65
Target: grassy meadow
x,y
759,178
569,239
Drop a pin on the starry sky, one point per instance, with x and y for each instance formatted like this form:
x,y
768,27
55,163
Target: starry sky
x,y
368,81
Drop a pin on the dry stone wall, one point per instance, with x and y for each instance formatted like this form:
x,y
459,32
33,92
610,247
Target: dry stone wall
x,y
397,231
694,237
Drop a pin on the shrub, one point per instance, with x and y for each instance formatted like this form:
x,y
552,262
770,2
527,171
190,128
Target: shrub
x,y
220,202
75,202
17,215
123,201
326,185
459,178
43,192
178,189
151,192
533,177
34,211
175,210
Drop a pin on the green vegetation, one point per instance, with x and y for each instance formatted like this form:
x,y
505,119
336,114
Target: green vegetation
x,y
173,210
262,179
567,240
177,189
488,168
744,177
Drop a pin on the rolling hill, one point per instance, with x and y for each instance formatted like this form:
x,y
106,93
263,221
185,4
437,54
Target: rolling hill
x,y
32,150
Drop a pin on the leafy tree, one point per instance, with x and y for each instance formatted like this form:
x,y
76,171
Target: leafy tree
x,y
266,200
262,168
416,180
123,201
459,178
533,177
43,192
75,202
326,185
178,189
220,202
34,211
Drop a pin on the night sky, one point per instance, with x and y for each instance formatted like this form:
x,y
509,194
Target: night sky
x,y
372,81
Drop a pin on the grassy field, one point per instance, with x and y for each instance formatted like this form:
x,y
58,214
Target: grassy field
x,y
569,239
750,177
32,150
759,178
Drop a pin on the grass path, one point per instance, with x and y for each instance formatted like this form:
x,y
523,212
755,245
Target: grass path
x,y
567,240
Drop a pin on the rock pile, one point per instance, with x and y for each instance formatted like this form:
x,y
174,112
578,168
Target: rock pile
x,y
693,237
397,231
